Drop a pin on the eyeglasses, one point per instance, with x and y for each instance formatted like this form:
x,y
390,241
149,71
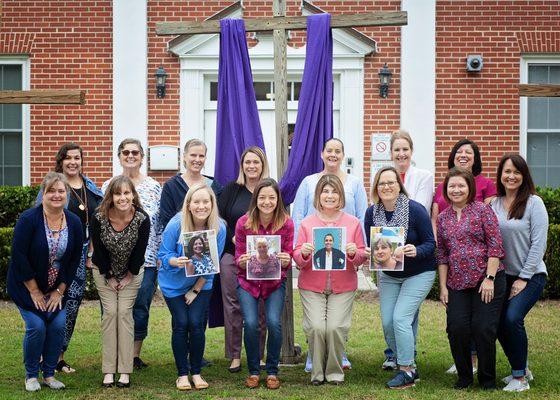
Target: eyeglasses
x,y
389,184
126,153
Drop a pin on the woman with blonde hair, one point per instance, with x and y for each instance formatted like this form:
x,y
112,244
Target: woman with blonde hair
x,y
188,297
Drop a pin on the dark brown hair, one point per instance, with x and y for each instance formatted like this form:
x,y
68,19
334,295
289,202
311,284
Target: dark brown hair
x,y
527,188
477,166
117,183
63,152
280,214
338,186
467,176
374,194
336,140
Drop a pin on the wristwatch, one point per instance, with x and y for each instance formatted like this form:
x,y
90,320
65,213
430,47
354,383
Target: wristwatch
x,y
196,291
490,277
90,254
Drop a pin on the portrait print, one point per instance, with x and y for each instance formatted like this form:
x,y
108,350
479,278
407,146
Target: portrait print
x,y
330,249
264,263
201,248
387,244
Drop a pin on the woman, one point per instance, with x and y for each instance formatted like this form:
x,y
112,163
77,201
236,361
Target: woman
x,y
263,265
131,156
233,204
523,223
46,251
383,255
471,278
120,231
83,199
188,297
402,292
327,296
267,215
464,154
354,193
199,263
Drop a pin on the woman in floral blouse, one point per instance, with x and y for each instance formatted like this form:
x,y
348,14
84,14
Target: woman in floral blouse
x,y
471,277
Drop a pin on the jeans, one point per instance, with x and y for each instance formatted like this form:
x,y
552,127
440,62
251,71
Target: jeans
x,y
188,323
468,317
141,310
274,305
74,295
44,335
511,332
400,299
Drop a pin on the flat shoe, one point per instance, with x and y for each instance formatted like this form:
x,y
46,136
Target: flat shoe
x,y
107,385
184,384
123,385
54,384
272,382
234,370
252,381
316,382
63,366
201,384
32,385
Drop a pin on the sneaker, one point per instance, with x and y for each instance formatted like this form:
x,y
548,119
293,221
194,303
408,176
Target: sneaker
x,y
416,375
308,363
516,385
453,370
346,364
401,380
54,384
138,363
528,376
32,385
390,364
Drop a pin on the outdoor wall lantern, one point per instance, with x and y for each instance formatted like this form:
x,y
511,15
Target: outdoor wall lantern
x,y
161,76
384,80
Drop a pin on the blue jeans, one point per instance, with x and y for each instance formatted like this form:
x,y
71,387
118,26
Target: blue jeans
x,y
274,305
400,299
141,310
511,331
188,323
44,336
390,353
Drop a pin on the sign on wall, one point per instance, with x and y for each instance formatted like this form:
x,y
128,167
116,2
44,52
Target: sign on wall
x,y
381,147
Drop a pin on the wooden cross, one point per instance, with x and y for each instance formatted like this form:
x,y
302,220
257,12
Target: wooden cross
x,y
279,24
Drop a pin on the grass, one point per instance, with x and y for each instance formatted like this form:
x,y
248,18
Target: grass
x,y
365,381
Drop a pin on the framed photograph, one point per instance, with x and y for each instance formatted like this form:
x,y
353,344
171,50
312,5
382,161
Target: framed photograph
x,y
201,247
330,249
386,248
264,263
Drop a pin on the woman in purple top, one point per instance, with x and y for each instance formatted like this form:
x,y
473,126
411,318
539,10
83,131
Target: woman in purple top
x,y
471,277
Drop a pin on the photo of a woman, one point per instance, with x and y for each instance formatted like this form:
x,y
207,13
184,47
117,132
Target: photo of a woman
x,y
384,257
200,262
263,265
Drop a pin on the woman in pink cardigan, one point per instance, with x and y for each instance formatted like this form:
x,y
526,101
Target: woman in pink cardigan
x,y
327,297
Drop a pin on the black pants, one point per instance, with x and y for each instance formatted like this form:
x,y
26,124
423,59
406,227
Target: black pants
x,y
469,317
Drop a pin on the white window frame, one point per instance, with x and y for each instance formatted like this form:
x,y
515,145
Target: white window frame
x,y
25,114
523,101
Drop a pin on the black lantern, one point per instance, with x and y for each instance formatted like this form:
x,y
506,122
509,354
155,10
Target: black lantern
x,y
384,80
161,76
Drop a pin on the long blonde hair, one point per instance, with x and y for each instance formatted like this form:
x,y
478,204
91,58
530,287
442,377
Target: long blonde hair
x,y
187,221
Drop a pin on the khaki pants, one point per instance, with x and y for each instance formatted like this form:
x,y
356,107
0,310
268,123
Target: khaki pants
x,y
117,323
326,322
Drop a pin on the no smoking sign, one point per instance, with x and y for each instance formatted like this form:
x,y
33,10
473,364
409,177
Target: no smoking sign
x,y
381,147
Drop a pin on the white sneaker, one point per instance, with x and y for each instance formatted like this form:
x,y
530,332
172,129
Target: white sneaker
x,y
54,384
32,385
346,364
308,363
528,376
453,370
515,385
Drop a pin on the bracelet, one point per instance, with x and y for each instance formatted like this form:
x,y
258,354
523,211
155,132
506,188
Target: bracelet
x,y
59,292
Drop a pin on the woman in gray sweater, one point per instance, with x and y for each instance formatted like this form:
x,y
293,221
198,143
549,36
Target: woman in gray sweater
x,y
524,226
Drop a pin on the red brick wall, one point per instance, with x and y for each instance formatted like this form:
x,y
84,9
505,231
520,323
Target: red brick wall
x,y
485,106
70,46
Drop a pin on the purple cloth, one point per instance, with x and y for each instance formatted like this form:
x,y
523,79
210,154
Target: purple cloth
x,y
238,125
314,124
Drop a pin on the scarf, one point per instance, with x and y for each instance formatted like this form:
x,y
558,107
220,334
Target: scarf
x,y
399,217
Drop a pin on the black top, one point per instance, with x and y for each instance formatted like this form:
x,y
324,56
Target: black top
x,y
93,202
233,204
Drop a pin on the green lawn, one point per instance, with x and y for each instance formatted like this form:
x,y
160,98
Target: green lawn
x,y
365,347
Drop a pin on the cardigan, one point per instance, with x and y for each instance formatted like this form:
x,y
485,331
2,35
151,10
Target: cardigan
x,y
30,256
233,204
172,280
420,234
173,195
341,281
419,184
101,255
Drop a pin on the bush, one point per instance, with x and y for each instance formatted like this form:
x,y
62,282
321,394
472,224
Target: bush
x,y
6,235
551,199
13,201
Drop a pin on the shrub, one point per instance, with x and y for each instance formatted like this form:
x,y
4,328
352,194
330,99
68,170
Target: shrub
x,y
551,199
13,201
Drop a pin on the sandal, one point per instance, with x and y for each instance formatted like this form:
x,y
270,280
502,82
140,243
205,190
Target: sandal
x,y
63,366
183,383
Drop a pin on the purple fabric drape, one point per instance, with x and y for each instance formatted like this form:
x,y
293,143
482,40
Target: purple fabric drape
x,y
238,125
314,124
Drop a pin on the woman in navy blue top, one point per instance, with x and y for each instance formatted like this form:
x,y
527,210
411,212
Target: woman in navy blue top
x,y
402,292
46,251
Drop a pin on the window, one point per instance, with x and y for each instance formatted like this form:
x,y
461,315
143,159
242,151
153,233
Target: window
x,y
264,90
11,130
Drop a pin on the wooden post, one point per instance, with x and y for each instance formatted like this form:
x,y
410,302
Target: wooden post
x,y
42,96
539,90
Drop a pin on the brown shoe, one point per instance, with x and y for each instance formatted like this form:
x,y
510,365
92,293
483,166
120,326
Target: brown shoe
x,y
272,382
252,381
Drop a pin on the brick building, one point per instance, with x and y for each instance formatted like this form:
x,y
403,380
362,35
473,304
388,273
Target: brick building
x,y
109,49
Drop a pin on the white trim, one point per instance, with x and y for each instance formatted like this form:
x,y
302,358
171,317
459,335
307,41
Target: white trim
x,y
527,59
130,73
25,62
418,79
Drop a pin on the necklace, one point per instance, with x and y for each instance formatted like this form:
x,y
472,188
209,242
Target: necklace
x,y
52,272
83,204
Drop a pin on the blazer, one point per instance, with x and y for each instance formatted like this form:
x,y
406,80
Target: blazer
x,y
30,256
338,259
419,183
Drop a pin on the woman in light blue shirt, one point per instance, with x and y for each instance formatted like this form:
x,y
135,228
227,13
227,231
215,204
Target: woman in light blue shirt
x,y
188,297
